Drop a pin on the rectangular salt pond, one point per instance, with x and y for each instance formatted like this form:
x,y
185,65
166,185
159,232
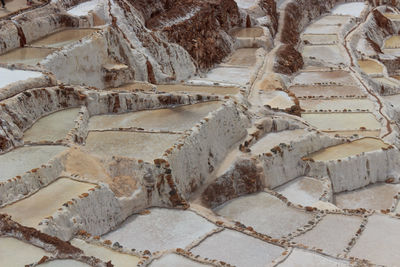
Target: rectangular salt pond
x,y
326,77
319,39
23,159
175,260
387,81
243,57
237,249
246,3
370,66
342,121
392,42
377,196
352,9
172,119
271,140
305,258
217,90
225,75
32,210
63,37
322,29
12,76
248,32
265,213
332,234
14,252
392,16
26,55
348,149
326,91
337,104
52,127
84,8
161,229
333,20
326,53
145,146
380,241
106,254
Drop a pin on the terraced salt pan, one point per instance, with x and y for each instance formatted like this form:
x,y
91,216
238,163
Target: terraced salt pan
x,y
266,143
328,77
106,254
370,66
332,234
53,127
333,20
24,159
13,7
136,86
325,53
303,190
64,263
26,55
337,104
12,76
32,210
392,16
391,51
349,149
277,99
9,255
353,9
387,81
380,241
304,258
162,229
378,197
318,39
248,32
218,90
243,57
322,29
342,121
145,146
392,42
237,249
225,76
326,91
173,119
265,213
175,260
63,37
394,100
84,8
246,3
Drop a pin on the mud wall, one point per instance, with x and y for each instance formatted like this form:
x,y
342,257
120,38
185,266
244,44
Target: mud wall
x,y
193,160
284,162
360,170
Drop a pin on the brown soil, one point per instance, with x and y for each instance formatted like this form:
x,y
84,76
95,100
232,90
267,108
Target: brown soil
x,y
244,179
200,34
288,60
383,22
